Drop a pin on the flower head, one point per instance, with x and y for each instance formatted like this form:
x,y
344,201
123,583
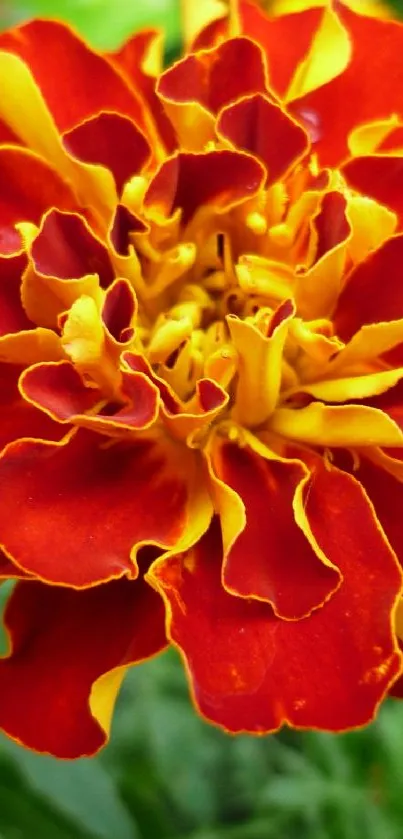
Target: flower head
x,y
201,332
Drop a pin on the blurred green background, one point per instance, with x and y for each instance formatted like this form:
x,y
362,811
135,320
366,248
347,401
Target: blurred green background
x,y
166,774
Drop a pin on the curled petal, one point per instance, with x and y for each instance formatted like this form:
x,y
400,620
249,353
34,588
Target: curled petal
x,y
259,126
17,417
251,671
270,558
69,653
112,141
118,496
118,311
222,179
199,85
260,358
66,248
58,389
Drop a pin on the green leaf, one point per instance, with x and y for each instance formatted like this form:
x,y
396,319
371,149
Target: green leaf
x,y
106,23
83,791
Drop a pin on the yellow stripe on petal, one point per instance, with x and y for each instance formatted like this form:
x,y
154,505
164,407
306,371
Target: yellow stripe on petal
x,y
365,139
371,341
103,696
341,425
372,8
371,225
329,55
352,387
24,110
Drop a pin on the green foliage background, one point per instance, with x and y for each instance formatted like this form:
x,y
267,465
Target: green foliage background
x,y
166,774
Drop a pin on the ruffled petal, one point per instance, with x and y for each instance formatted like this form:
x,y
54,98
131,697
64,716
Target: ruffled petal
x,y
259,126
17,417
69,652
221,179
119,497
251,671
271,558
112,141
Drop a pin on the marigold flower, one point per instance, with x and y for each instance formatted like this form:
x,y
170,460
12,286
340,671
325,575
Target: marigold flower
x,y
201,347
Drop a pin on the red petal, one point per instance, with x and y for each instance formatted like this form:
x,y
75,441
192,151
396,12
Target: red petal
x,y
213,78
379,177
189,181
83,505
272,559
17,417
66,248
75,81
112,141
386,494
285,39
29,187
331,224
12,314
254,672
9,571
259,126
63,641
374,292
118,308
123,224
366,91
58,389
130,61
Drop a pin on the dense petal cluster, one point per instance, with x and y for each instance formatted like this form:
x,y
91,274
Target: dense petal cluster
x,y
201,360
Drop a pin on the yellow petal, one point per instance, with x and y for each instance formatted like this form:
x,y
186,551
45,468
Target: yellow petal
x,y
342,425
352,387
259,369
365,139
371,224
31,346
371,341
